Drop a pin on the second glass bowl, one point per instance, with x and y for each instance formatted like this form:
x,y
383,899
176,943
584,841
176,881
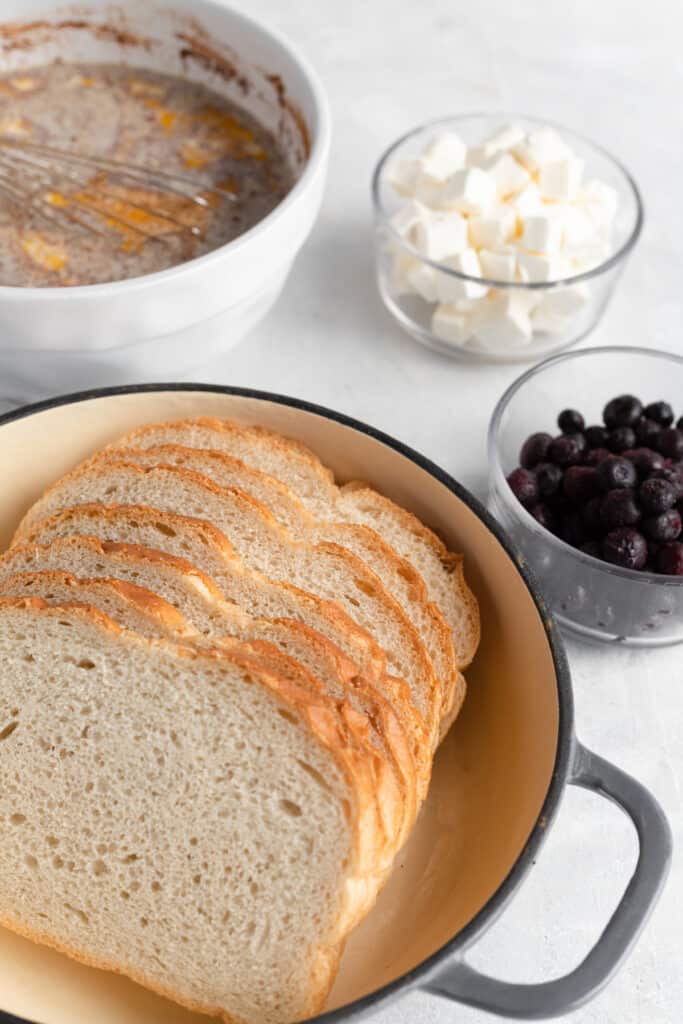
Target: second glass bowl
x,y
595,599
596,286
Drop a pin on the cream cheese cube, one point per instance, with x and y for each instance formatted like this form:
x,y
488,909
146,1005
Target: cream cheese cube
x,y
509,175
502,322
438,235
542,233
400,267
566,302
586,257
600,202
502,139
421,280
452,289
444,155
407,217
498,266
403,175
540,147
560,179
450,324
540,266
470,191
528,202
577,227
493,229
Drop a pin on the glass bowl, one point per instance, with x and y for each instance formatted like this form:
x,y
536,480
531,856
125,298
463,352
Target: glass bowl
x,y
586,293
589,597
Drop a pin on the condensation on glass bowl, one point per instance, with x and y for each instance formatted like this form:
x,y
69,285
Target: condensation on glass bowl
x,y
588,597
597,285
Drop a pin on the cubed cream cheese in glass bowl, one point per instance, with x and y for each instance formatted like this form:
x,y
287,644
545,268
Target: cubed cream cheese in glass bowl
x,y
500,238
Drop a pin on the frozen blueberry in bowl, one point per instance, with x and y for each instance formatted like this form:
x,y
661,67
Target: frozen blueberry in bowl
x,y
605,535
671,443
626,547
614,472
619,508
622,411
570,421
657,495
660,412
648,432
621,438
534,450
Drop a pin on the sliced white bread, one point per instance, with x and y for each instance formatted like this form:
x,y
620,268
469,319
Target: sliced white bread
x,y
203,783
196,611
131,606
207,549
325,569
397,575
299,467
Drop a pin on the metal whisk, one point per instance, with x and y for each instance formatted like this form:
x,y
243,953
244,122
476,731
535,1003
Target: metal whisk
x,y
80,191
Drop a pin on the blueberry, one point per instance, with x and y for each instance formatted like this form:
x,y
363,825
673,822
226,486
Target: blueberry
x,y
625,547
597,455
647,432
534,450
670,559
570,421
580,483
660,412
523,485
567,449
619,508
571,529
591,547
664,527
596,437
674,474
646,460
592,518
621,438
657,495
679,423
543,515
548,478
622,411
671,443
615,472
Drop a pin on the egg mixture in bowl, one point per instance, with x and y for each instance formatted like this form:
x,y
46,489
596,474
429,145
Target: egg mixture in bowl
x,y
164,284
141,118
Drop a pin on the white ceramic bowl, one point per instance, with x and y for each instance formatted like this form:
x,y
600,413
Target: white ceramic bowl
x,y
165,325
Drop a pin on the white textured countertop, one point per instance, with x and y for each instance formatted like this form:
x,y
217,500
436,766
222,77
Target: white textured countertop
x,y
612,70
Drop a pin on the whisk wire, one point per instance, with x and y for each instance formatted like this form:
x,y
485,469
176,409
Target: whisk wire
x,y
30,173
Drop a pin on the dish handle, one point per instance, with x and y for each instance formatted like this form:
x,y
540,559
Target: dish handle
x,y
460,982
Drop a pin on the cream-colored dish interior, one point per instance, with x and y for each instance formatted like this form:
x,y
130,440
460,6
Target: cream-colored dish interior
x,y
491,774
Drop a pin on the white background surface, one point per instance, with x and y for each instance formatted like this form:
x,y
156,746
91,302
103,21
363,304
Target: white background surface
x,y
614,71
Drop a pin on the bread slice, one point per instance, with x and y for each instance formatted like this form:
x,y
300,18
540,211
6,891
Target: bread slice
x,y
158,803
195,605
325,569
397,575
210,551
297,466
131,606
207,549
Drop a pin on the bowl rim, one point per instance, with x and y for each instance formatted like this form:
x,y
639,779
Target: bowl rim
x,y
498,900
497,474
320,128
618,256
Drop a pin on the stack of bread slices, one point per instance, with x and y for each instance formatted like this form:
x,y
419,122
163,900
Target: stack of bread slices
x,y
224,678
